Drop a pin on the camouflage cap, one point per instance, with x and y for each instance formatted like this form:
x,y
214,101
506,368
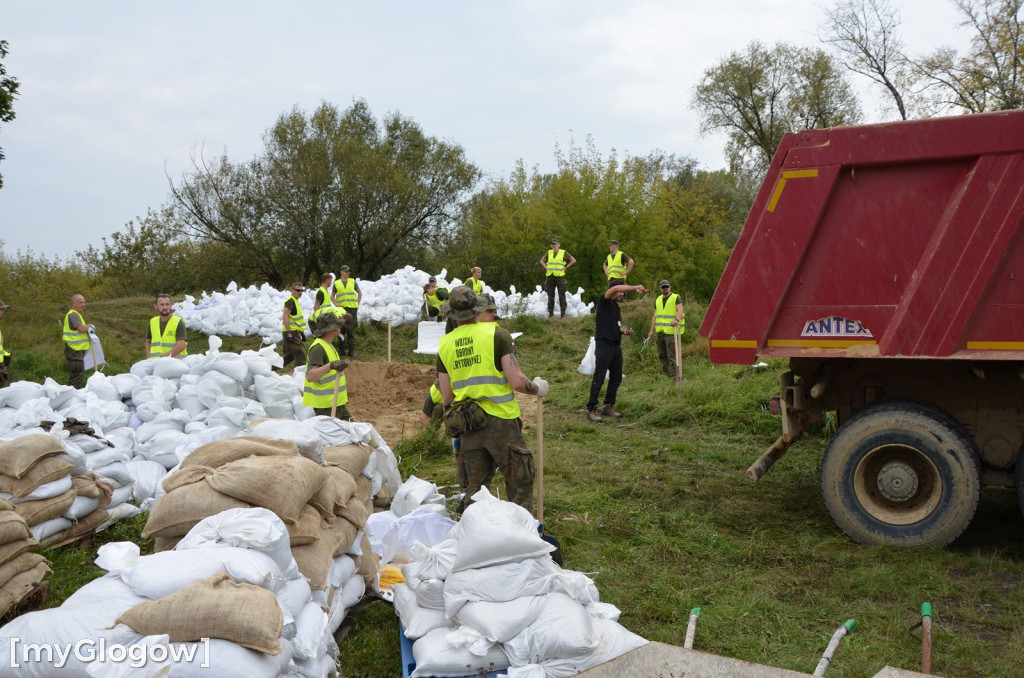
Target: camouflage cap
x,y
490,305
3,305
325,319
463,304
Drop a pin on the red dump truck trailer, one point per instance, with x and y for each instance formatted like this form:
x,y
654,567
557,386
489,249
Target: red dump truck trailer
x,y
886,262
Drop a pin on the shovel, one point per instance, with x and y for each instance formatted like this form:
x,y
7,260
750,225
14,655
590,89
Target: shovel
x,y
334,402
556,555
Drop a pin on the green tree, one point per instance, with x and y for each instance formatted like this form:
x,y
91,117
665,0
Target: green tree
x,y
331,188
8,93
757,95
990,76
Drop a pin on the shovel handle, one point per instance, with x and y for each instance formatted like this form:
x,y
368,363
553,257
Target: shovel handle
x,y
540,461
334,401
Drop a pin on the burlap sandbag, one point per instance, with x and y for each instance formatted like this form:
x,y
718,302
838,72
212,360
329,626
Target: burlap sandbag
x,y
13,549
43,471
177,512
314,560
383,499
306,529
335,493
21,585
90,485
353,458
19,564
214,607
18,456
165,543
185,476
364,488
344,533
355,513
219,452
85,525
40,510
6,505
13,527
282,484
366,564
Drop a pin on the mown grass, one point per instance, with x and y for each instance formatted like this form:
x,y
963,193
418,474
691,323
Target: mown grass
x,y
657,506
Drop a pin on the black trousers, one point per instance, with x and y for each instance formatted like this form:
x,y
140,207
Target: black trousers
x,y
607,358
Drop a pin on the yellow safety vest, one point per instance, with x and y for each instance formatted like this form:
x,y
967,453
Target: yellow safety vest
x,y
3,352
296,321
476,285
468,353
434,300
665,313
435,394
616,269
160,345
556,266
345,293
320,394
76,341
327,297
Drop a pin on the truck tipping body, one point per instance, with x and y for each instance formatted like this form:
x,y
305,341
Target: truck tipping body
x,y
886,262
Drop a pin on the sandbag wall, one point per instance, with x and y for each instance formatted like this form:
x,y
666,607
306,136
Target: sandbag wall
x,y
20,571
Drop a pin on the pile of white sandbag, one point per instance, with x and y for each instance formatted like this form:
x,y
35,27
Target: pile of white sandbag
x,y
396,298
20,571
489,598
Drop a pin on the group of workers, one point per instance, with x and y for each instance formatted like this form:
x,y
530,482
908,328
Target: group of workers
x,y
477,371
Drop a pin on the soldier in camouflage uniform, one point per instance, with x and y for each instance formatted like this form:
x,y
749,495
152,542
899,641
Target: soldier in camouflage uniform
x,y
476,361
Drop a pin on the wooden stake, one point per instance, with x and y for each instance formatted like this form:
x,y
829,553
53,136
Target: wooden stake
x,y
389,339
679,357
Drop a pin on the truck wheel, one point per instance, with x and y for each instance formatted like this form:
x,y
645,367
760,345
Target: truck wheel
x,y
901,474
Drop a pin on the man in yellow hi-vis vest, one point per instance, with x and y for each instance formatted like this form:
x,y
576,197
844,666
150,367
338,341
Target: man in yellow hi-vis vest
x,y
325,386
166,336
5,355
555,263
475,283
293,327
348,295
76,341
617,265
476,362
668,315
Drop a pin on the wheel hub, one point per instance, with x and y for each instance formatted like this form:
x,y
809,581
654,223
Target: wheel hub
x,y
897,481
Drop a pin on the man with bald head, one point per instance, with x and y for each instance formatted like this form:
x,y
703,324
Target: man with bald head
x,y
76,341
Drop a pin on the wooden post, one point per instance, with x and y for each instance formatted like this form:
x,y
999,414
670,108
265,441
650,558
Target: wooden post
x,y
540,462
334,402
389,339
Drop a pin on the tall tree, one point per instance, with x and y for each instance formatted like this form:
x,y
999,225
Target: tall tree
x,y
331,188
757,95
866,35
8,93
990,76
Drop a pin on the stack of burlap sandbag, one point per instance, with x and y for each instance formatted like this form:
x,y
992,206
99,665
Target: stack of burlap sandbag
x,y
231,579
489,598
319,493
20,571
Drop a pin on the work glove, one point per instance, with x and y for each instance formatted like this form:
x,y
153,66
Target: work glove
x,y
542,387
288,336
338,365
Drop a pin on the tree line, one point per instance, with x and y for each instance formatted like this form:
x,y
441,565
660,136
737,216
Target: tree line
x,y
334,187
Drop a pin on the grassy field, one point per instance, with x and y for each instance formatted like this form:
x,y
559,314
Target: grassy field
x,y
657,507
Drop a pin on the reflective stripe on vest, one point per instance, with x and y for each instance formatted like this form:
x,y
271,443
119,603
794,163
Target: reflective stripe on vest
x,y
3,353
160,345
665,313
556,263
476,285
296,321
76,341
616,269
320,394
468,353
327,297
345,293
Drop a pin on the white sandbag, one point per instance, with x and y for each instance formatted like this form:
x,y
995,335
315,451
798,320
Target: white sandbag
x,y
273,388
55,627
60,395
100,385
44,491
493,531
431,562
152,395
48,528
81,507
236,417
257,364
124,383
121,495
214,385
562,630
429,592
589,362
410,494
352,591
424,526
305,438
576,585
229,364
436,657
187,398
294,595
417,620
498,583
31,412
161,574
311,635
104,457
169,368
121,511
142,369
250,528
171,420
20,392
611,640
87,443
107,592
117,557
123,439
75,457
501,622
145,478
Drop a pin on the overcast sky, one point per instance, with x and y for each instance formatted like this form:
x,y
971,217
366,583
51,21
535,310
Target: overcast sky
x,y
116,95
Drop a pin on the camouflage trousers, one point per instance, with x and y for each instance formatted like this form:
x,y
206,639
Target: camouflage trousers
x,y
5,377
76,367
667,352
341,413
499,445
294,352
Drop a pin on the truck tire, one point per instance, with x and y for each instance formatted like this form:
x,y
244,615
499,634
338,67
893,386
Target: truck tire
x,y
902,474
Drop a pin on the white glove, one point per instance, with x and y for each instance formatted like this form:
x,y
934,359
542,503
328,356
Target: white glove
x,y
542,387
